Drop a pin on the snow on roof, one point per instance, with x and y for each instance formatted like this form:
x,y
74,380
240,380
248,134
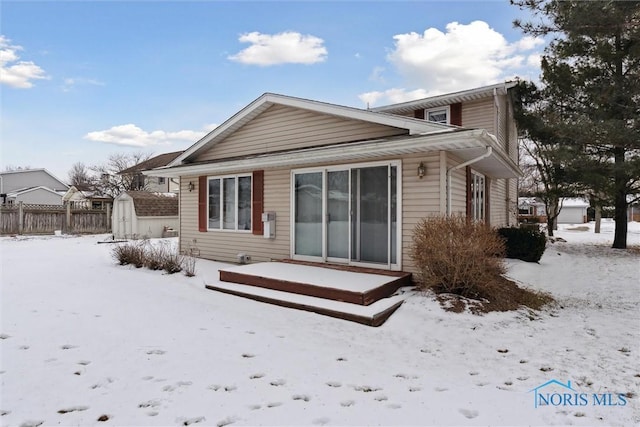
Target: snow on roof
x,y
574,202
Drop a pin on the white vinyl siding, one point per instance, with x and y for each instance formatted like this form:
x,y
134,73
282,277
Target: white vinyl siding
x,y
285,128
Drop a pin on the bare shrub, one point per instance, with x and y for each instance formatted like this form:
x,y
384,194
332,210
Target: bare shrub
x,y
464,259
156,256
457,256
172,262
130,253
189,264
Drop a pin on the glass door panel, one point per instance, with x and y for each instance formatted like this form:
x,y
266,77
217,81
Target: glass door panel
x,y
370,222
308,214
338,214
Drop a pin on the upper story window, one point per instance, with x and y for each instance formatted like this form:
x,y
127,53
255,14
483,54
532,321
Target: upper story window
x,y
229,203
438,115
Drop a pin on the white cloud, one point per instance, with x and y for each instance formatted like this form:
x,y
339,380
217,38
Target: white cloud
x,y
461,57
377,75
14,73
133,136
71,83
392,96
282,48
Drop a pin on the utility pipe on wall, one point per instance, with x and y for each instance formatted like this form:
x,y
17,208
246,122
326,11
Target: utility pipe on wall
x,y
460,166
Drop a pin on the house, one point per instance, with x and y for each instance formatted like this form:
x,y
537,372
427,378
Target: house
x,y
86,199
531,209
155,184
34,196
141,214
573,211
36,186
295,178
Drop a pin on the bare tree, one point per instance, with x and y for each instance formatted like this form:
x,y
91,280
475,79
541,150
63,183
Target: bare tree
x,y
12,168
110,181
80,177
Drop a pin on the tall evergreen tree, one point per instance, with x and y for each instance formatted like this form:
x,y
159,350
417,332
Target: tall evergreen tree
x,y
591,73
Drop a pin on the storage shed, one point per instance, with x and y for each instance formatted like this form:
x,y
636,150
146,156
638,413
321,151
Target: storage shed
x,y
574,211
139,214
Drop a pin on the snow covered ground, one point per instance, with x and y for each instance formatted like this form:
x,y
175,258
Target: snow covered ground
x,y
84,340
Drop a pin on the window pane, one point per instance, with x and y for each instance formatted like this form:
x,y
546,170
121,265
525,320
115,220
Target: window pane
x,y
308,213
244,203
214,203
438,116
229,204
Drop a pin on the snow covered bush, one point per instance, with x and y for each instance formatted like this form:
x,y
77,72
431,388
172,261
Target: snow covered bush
x,y
153,255
525,243
457,256
130,253
189,264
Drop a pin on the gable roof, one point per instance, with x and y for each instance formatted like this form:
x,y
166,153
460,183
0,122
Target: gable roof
x,y
154,204
152,163
31,171
447,99
21,191
248,113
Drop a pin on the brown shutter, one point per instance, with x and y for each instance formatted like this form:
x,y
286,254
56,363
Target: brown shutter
x,y
456,114
202,203
257,202
418,114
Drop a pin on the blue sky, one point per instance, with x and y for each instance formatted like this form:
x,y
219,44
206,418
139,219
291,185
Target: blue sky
x,y
82,80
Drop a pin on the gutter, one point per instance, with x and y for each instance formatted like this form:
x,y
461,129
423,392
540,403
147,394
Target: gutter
x,y
460,166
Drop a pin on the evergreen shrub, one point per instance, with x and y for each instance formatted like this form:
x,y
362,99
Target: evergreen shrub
x,y
524,243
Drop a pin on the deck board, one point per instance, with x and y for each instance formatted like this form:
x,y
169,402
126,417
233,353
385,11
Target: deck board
x,y
363,288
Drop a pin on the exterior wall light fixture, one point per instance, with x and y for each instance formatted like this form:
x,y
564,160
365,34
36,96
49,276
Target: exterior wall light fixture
x,y
422,170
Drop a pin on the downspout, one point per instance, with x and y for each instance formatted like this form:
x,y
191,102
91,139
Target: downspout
x,y
460,166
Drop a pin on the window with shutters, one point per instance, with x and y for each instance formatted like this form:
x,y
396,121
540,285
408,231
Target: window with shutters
x,y
229,203
438,115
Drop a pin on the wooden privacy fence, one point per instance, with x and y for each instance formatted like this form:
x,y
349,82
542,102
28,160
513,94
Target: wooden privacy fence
x,y
46,219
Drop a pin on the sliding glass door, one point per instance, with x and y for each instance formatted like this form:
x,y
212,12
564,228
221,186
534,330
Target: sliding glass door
x,y
347,214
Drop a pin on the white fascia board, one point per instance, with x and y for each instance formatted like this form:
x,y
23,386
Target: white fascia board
x,y
414,126
447,98
345,152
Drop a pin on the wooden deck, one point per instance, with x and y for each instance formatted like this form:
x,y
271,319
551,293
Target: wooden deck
x,y
360,295
335,287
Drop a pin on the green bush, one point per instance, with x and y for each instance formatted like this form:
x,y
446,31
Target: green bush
x,y
523,243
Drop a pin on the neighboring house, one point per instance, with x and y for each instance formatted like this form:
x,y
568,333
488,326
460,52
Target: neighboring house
x,y
531,209
633,212
573,211
294,178
85,199
138,214
155,184
34,196
29,186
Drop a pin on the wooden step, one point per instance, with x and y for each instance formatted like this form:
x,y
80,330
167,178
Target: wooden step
x,y
318,281
374,314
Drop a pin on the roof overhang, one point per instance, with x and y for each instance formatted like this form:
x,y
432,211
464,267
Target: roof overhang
x,y
260,105
447,99
463,144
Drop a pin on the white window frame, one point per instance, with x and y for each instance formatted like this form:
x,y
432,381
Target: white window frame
x,y
397,266
446,109
237,187
478,198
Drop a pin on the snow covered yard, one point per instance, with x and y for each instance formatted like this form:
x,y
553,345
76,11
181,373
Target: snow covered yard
x,y
84,340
